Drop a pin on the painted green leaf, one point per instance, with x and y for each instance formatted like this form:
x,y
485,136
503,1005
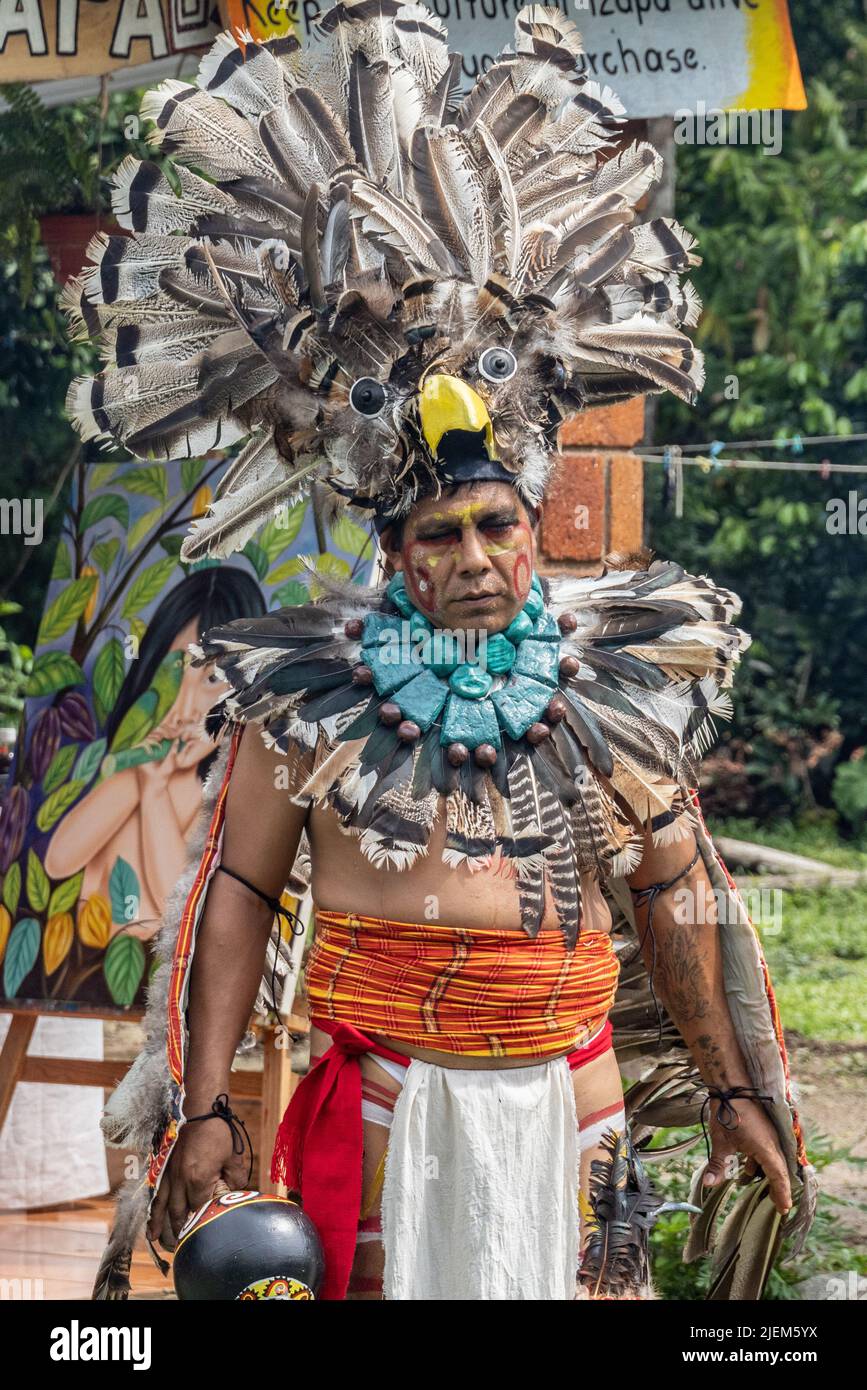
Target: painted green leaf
x,y
57,804
191,472
140,528
171,544
333,566
281,530
148,585
352,538
66,895
59,768
52,671
62,568
257,557
100,508
98,474
104,553
150,482
125,893
123,967
109,670
136,723
288,570
21,954
167,682
38,887
291,594
65,610
89,760
12,888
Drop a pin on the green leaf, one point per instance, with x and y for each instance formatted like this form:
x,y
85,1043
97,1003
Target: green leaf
x,y
289,570
148,586
89,760
66,894
167,682
348,536
140,528
12,887
136,723
123,967
281,530
292,594
59,768
125,893
104,553
22,952
100,508
52,671
108,673
57,804
62,568
171,544
257,557
333,566
149,482
66,609
191,472
98,474
38,887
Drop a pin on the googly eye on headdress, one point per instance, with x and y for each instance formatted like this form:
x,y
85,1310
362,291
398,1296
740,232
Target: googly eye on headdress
x,y
497,364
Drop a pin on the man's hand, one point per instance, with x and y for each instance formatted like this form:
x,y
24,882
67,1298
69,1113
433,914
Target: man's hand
x,y
756,1138
201,1161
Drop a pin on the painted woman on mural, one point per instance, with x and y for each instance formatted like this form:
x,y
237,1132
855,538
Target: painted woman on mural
x,y
144,812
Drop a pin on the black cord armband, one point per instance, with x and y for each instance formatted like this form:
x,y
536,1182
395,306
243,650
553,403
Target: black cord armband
x,y
220,1110
296,926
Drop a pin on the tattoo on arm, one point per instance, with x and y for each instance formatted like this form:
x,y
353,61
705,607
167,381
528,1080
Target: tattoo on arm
x,y
709,1056
681,973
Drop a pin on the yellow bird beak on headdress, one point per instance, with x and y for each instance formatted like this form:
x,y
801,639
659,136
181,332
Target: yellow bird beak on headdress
x,y
447,403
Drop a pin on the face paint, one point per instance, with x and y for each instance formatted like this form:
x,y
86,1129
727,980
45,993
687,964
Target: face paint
x,y
418,576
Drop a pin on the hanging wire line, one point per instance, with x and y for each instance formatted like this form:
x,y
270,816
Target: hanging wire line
x,y
796,443
781,465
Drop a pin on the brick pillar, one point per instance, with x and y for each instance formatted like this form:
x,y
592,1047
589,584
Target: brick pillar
x,y
595,501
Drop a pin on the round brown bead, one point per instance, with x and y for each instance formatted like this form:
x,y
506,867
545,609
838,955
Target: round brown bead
x,y
537,733
354,628
485,755
567,622
570,666
390,713
362,675
458,754
556,710
408,731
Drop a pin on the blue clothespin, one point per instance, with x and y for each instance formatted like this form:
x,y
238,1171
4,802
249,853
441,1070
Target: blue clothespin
x,y
716,448
797,444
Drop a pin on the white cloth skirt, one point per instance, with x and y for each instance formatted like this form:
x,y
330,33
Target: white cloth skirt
x,y
480,1191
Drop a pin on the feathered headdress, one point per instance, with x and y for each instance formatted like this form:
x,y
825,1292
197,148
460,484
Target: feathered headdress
x,y
375,282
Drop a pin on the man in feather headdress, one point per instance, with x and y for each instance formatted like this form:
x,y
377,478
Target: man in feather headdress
x,y
400,293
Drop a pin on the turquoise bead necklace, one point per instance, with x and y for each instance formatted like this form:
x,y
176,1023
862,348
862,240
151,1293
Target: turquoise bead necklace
x,y
425,675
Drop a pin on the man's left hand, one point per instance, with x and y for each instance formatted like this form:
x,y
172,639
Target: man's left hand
x,y
755,1137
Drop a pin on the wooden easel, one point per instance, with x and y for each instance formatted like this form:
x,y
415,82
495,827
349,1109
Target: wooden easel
x,y
272,1087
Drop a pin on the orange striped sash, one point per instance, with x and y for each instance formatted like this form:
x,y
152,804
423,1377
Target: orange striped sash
x,y
467,991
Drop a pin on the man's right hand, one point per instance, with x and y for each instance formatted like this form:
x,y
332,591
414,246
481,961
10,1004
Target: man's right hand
x,y
201,1161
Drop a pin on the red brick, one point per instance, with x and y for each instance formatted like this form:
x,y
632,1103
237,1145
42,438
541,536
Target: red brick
x,y
573,521
607,425
626,503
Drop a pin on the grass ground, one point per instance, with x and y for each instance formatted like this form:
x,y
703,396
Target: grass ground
x,y
817,958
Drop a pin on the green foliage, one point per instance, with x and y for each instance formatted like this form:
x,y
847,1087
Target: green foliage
x,y
850,791
784,282
16,664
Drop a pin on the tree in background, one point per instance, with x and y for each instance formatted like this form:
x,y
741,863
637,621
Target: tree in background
x,y
784,283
